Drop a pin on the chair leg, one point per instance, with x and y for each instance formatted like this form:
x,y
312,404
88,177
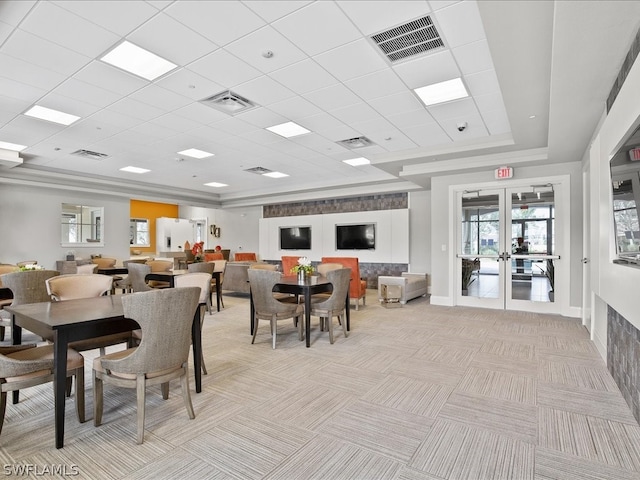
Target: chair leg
x,y
330,320
2,332
97,400
164,388
3,408
186,395
344,326
68,385
274,328
80,394
140,395
255,329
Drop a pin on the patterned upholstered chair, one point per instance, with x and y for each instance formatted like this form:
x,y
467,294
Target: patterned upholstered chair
x,y
358,286
202,280
334,306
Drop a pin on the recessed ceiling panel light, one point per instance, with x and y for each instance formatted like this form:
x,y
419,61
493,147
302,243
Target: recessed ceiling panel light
x,y
12,146
136,60
442,92
216,184
44,113
288,129
134,170
354,162
275,175
195,153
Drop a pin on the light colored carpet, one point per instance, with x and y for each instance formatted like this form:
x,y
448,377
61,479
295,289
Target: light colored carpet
x,y
415,393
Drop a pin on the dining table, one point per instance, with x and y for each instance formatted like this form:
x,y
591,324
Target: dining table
x,y
310,286
72,320
170,276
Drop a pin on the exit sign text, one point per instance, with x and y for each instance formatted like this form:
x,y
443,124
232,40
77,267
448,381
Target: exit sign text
x,y
504,172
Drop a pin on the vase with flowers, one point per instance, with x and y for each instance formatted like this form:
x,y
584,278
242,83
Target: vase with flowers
x,y
31,266
303,269
197,251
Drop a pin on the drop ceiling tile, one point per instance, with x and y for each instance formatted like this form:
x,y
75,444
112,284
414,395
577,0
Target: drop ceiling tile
x,y
29,131
118,17
189,84
112,118
171,40
392,140
235,126
374,16
271,11
475,127
252,48
154,130
303,77
216,20
11,106
263,91
428,69
295,108
317,27
136,109
175,122
44,54
396,103
482,83
86,92
262,117
460,23
68,105
20,91
14,12
321,122
457,108
201,113
5,31
333,97
408,119
377,84
427,135
352,114
473,57
497,121
110,78
78,34
225,69
28,73
351,60
489,101
372,124
154,95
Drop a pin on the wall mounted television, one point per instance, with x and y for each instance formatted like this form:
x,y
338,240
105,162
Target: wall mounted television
x,y
356,237
295,238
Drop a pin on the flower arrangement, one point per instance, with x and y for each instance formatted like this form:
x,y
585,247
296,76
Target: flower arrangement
x,y
197,251
31,266
304,265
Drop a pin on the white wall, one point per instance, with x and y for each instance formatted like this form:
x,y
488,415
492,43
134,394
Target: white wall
x,y
392,235
420,232
30,219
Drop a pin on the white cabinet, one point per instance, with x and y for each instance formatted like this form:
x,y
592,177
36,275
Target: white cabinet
x,y
172,233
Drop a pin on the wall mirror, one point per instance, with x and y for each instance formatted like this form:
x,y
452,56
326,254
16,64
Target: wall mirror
x,y
139,232
82,225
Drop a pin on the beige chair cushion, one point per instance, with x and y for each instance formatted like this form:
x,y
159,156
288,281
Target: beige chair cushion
x,y
104,262
45,352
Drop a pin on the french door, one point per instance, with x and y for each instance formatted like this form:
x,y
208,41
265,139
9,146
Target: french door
x,y
506,248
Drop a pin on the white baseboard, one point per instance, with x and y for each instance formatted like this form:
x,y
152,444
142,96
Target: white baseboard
x,y
444,301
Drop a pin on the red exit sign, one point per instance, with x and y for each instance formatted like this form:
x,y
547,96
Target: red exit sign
x,y
504,172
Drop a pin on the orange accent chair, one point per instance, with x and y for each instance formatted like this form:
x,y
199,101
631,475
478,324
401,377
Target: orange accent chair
x,y
357,286
210,257
288,262
245,257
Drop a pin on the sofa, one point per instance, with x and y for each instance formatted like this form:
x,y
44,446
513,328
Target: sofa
x,y
412,285
357,286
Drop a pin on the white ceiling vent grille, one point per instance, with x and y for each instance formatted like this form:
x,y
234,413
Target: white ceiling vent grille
x,y
90,154
357,142
410,39
229,102
258,170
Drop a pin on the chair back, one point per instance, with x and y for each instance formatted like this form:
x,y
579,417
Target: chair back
x,y
87,269
263,266
137,274
104,262
262,283
245,257
69,287
5,268
340,279
324,268
211,256
28,286
165,317
201,267
288,262
202,280
220,265
160,265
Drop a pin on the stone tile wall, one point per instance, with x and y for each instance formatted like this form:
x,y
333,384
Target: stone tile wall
x,y
624,70
391,201
623,358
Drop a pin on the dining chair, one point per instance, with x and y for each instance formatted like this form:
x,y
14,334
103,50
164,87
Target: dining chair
x,y
159,266
334,306
6,297
75,286
24,366
203,267
137,274
28,286
220,266
202,280
165,316
268,307
87,269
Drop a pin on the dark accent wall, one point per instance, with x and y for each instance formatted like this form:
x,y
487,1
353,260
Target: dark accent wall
x,y
623,358
624,71
390,201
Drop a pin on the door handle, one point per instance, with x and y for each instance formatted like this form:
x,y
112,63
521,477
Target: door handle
x,y
585,260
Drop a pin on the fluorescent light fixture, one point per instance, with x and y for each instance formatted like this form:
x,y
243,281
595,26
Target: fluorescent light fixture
x,y
195,153
442,92
275,174
288,129
44,113
216,184
134,170
136,60
12,146
355,162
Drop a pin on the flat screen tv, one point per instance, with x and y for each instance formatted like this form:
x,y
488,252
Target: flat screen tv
x,y
356,237
295,238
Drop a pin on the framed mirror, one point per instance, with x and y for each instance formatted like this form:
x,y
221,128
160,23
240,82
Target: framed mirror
x,y
82,225
139,232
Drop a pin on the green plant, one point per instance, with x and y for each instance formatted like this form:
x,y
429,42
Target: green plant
x,y
468,267
550,273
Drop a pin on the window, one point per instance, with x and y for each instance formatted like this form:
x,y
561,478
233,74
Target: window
x,y
139,232
81,224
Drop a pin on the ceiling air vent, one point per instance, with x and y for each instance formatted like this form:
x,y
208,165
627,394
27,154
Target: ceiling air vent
x,y
90,154
410,39
229,102
258,170
358,142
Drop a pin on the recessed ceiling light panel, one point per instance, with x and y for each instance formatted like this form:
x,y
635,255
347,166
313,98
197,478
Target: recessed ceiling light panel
x,y
12,146
136,60
216,184
442,92
134,170
356,162
50,115
275,175
195,153
288,129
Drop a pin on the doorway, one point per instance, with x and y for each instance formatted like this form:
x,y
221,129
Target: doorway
x,y
507,248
